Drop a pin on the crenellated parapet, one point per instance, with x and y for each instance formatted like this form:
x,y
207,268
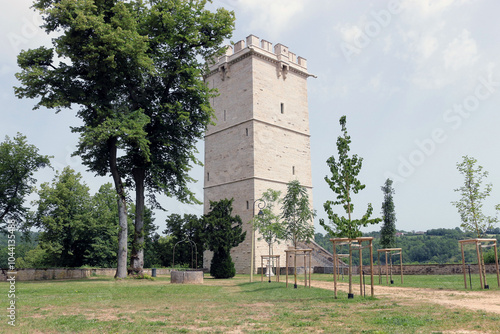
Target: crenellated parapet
x,y
280,55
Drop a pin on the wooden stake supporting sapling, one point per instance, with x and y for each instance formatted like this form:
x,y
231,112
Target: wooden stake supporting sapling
x,y
302,252
270,266
359,242
480,262
389,252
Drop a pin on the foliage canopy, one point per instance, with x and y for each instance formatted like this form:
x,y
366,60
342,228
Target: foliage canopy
x,y
344,183
472,197
388,230
297,214
18,162
222,232
135,70
268,222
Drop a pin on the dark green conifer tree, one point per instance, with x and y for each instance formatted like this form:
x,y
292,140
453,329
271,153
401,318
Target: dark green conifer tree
x,y
221,233
388,230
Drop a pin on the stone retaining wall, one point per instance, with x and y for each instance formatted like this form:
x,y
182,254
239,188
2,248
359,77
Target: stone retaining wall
x,y
72,273
417,269
31,274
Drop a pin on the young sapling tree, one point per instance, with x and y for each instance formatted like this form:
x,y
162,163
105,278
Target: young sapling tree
x,y
269,222
344,184
298,216
470,204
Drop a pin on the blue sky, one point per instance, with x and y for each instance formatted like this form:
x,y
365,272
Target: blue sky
x,y
418,81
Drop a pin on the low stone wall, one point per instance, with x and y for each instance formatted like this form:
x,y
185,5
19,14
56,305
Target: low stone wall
x,y
32,274
416,269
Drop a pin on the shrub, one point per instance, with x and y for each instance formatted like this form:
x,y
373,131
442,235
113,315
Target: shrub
x,y
222,265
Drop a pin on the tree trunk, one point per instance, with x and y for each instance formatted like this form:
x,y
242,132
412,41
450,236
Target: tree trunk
x,y
121,270
483,268
295,261
137,256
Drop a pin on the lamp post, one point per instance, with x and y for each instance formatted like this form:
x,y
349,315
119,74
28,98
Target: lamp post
x,y
261,206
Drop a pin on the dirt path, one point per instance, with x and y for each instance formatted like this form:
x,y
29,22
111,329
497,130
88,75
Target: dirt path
x,y
488,301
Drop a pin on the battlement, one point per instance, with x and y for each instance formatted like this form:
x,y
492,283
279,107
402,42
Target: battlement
x,y
280,53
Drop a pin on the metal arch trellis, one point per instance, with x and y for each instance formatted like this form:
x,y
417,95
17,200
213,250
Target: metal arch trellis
x,y
191,242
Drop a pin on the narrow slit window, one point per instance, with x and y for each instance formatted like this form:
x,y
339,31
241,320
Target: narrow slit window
x,y
282,107
246,131
208,176
293,170
248,205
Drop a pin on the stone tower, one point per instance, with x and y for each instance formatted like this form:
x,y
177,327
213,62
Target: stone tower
x,y
261,138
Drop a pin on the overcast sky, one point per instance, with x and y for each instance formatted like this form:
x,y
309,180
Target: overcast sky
x,y
418,80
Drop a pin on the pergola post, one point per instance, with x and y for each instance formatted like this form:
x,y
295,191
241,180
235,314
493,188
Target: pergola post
x,y
482,269
359,241
463,264
388,252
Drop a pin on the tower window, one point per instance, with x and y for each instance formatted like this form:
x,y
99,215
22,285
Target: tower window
x,y
208,176
248,205
246,131
293,170
282,106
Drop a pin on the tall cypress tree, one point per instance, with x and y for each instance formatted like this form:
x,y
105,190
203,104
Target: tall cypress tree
x,y
388,230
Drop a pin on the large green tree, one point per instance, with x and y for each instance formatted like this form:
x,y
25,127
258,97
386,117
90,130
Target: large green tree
x,y
388,230
222,232
298,217
135,70
182,34
102,229
18,162
344,184
63,216
75,228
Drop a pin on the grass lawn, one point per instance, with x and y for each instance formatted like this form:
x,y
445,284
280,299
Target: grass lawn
x,y
455,282
103,305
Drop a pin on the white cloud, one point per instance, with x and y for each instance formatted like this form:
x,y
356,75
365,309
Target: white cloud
x,y
461,52
428,8
388,43
276,15
349,32
20,26
427,46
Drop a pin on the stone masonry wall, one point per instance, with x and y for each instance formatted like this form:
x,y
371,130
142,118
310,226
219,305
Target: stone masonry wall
x,y
417,269
32,274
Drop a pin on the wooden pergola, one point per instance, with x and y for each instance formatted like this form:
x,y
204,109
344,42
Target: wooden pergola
x,y
479,244
302,252
390,252
359,241
278,268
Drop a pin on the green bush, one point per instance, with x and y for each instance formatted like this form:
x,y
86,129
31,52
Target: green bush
x,y
489,256
222,265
